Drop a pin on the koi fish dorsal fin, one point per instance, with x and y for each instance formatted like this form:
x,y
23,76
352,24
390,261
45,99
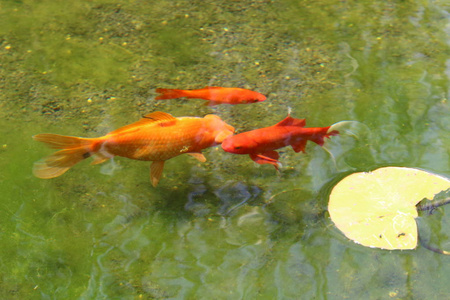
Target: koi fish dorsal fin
x,y
165,119
158,116
290,121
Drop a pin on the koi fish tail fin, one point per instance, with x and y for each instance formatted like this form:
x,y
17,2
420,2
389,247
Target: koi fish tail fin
x,y
331,132
351,128
352,134
169,94
332,157
56,141
319,138
73,151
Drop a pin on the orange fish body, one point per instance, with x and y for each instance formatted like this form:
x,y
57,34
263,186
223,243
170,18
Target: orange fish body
x,y
261,143
157,137
214,95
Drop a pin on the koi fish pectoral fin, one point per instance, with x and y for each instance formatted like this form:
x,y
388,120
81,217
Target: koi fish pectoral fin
x,y
156,170
269,157
222,136
299,146
198,156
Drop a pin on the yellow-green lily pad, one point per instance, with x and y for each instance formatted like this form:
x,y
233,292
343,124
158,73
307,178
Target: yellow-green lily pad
x,y
378,208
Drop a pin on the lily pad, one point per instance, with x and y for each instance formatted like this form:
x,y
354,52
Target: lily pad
x,y
378,208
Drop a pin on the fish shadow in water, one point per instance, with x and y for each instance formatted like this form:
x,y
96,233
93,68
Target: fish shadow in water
x,y
231,195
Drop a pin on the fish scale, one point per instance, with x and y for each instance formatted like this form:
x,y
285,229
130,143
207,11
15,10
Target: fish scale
x,y
154,142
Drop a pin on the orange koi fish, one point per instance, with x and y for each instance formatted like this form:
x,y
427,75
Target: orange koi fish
x,y
215,95
261,143
157,137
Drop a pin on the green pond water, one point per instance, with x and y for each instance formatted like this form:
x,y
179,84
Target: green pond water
x,y
226,228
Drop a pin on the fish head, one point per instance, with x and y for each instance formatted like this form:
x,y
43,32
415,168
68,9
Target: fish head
x,y
239,144
260,97
218,128
255,97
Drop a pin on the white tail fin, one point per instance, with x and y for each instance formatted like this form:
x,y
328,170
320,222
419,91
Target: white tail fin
x,y
351,128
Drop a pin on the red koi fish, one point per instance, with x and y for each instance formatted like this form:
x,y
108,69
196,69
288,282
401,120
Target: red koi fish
x,y
261,143
156,137
214,95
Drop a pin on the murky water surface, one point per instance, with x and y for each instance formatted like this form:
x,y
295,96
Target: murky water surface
x,y
226,228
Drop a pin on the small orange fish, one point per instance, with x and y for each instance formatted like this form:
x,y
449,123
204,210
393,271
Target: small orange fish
x,y
261,143
157,137
215,95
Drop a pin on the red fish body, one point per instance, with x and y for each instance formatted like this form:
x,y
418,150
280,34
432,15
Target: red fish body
x,y
214,95
157,137
261,143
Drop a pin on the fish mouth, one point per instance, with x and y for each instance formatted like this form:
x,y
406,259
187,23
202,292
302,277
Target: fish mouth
x,y
227,145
